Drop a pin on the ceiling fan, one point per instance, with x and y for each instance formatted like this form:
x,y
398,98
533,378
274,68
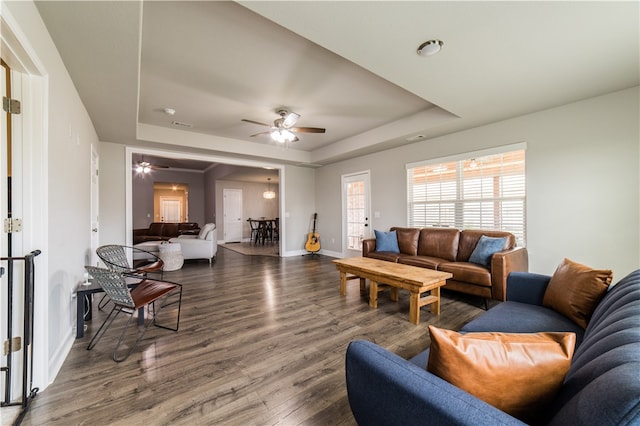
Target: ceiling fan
x,y
282,129
146,167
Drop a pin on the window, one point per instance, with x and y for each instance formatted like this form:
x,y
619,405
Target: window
x,y
477,191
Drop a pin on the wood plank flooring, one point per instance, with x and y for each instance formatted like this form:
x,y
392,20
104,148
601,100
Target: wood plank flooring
x,y
261,342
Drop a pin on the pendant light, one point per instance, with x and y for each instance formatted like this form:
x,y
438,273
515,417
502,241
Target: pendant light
x,y
269,194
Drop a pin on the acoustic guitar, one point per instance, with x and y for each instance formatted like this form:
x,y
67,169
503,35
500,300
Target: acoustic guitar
x,y
313,238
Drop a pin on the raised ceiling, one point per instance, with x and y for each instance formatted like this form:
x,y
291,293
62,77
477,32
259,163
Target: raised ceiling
x,y
350,67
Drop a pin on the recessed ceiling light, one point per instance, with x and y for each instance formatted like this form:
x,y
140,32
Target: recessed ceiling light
x,y
429,48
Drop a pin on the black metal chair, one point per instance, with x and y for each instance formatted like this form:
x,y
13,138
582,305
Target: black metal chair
x,y
145,294
116,257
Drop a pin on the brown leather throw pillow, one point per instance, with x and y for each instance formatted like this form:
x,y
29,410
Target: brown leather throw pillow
x,y
518,373
574,290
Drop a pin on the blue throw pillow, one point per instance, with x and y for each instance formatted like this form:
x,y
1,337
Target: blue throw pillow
x,y
387,241
485,248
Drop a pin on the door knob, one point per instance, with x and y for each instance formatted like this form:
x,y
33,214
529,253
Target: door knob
x,y
94,230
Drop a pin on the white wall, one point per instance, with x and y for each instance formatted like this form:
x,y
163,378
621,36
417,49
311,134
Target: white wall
x,y
298,190
583,184
69,135
112,194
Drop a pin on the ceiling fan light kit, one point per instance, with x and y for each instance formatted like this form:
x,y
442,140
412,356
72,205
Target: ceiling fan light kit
x,y
143,167
282,130
283,136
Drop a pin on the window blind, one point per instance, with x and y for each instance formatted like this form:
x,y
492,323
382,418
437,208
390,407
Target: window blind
x,y
486,192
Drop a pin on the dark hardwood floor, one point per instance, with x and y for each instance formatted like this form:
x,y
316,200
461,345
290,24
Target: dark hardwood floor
x,y
261,342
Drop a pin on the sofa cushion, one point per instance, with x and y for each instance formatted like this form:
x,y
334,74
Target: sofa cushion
x,y
387,241
407,240
467,272
575,290
485,249
422,261
439,242
384,255
469,239
516,317
517,373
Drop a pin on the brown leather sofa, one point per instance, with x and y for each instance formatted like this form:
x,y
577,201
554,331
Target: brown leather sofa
x,y
161,231
448,249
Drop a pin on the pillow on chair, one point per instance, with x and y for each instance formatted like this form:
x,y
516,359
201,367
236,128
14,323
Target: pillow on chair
x,y
205,230
519,373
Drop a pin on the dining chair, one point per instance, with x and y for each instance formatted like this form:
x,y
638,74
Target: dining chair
x,y
147,294
253,225
276,229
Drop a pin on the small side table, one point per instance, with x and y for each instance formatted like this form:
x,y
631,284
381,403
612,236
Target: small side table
x,y
171,255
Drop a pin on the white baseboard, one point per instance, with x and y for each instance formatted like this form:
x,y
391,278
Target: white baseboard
x,y
61,353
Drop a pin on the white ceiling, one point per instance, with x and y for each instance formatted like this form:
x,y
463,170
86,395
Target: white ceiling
x,y
349,67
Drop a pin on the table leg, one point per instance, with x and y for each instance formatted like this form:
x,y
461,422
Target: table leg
x,y
393,294
343,283
435,306
363,286
79,315
414,307
373,293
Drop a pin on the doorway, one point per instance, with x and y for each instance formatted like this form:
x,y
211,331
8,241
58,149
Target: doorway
x,y
356,211
170,202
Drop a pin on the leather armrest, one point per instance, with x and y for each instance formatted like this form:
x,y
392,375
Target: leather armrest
x,y
502,264
368,246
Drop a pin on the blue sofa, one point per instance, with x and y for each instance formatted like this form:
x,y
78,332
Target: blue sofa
x,y
601,388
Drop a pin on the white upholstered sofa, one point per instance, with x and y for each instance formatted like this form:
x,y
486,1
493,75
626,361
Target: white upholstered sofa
x,y
201,246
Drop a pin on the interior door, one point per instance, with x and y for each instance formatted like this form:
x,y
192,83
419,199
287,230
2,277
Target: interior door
x,y
170,209
95,236
232,209
356,211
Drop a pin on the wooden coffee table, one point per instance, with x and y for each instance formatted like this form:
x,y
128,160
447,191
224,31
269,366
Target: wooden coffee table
x,y
399,276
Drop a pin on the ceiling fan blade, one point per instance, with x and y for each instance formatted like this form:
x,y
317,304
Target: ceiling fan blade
x,y
261,133
290,119
255,122
308,129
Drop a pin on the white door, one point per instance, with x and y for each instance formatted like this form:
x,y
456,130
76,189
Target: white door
x,y
170,209
232,208
95,236
355,212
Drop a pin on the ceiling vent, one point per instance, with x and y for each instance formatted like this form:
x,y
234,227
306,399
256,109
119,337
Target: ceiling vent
x,y
181,124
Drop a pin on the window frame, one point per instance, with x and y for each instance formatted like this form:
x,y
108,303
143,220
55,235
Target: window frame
x,y
449,206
